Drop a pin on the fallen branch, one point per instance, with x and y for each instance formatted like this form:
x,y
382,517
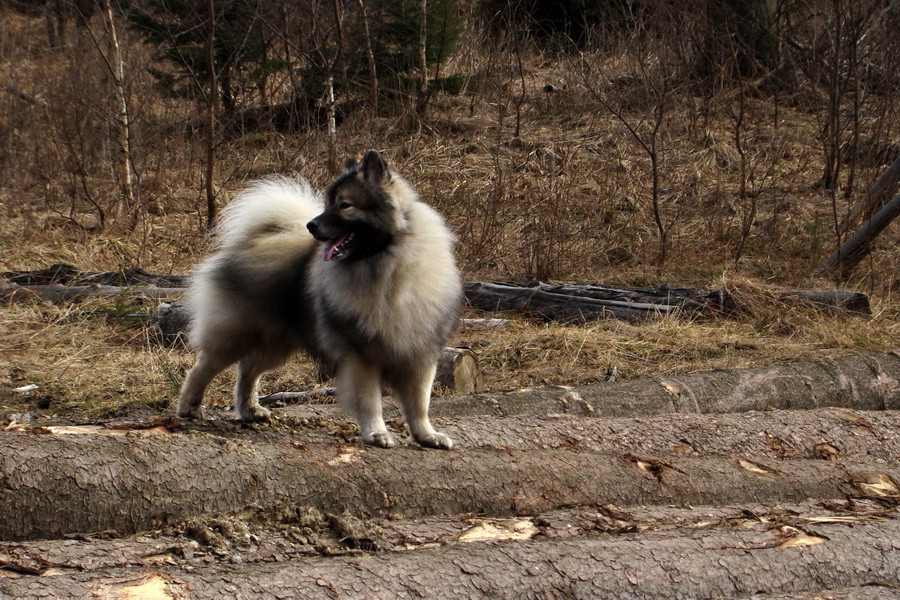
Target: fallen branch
x,y
845,259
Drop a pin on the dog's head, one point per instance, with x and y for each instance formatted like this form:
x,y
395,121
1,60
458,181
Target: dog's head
x,y
360,218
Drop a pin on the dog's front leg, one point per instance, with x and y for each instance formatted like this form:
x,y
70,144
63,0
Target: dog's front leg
x,y
414,395
359,392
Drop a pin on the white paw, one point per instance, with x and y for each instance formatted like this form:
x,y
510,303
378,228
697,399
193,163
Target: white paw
x,y
190,412
435,440
255,413
381,439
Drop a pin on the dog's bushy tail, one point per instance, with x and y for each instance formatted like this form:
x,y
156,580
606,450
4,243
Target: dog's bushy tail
x,y
269,204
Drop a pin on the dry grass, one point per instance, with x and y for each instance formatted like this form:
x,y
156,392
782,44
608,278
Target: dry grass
x,y
568,199
93,360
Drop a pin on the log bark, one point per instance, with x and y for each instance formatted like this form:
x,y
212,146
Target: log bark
x,y
827,434
698,564
584,303
77,293
257,535
53,485
861,381
64,274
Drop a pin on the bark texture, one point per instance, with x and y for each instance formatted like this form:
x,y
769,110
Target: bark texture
x,y
862,381
720,564
53,485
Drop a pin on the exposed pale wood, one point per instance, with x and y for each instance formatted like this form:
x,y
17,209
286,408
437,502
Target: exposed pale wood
x,y
458,371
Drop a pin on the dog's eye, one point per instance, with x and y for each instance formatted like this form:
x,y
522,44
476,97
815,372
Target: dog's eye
x,y
344,205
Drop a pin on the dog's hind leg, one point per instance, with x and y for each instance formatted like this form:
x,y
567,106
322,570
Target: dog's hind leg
x,y
359,392
414,393
190,397
250,369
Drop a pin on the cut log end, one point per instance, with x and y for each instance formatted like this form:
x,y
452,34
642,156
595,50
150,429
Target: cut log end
x,y
458,371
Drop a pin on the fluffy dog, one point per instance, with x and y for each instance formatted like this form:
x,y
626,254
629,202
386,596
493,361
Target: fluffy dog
x,y
363,279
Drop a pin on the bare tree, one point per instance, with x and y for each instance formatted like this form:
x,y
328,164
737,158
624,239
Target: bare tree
x,y
211,109
370,57
658,90
114,65
422,100
117,70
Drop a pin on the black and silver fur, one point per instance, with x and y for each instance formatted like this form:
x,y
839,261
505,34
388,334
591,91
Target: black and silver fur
x,y
363,279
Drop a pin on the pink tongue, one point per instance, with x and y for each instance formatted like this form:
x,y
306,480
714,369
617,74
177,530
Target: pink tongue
x,y
331,248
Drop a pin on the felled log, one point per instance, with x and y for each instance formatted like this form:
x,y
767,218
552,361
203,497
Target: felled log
x,y
875,198
561,304
458,371
63,274
584,303
75,293
576,303
682,564
861,381
58,484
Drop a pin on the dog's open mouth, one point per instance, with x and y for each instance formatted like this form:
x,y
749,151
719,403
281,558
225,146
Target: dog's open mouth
x,y
337,248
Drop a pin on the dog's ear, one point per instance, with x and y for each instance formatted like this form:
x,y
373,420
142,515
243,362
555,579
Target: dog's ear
x,y
374,169
349,164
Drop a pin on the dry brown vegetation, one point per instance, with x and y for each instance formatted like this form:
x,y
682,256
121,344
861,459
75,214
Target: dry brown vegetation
x,y
544,167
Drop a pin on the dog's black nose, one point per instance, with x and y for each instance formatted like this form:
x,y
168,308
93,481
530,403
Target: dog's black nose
x,y
313,227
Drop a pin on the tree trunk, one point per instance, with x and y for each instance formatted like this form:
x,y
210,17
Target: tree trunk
x,y
370,57
583,303
552,301
123,130
458,371
533,501
76,293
